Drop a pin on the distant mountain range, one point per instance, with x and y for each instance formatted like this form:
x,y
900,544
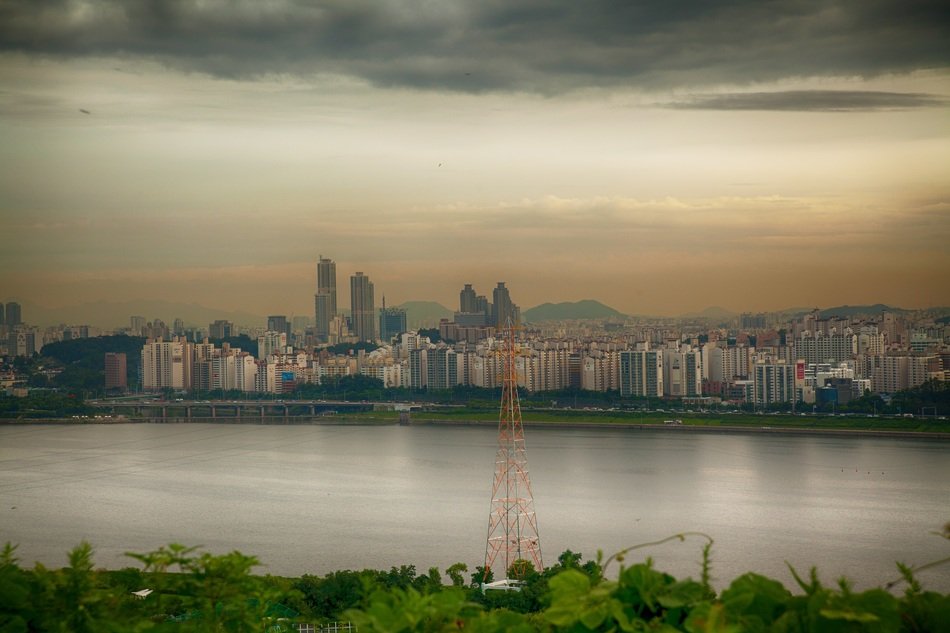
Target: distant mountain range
x,y
586,309
419,314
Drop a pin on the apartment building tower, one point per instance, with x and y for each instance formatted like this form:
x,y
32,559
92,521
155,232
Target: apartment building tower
x,y
362,307
641,372
325,298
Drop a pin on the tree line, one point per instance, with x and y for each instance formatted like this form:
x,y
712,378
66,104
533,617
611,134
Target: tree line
x,y
181,589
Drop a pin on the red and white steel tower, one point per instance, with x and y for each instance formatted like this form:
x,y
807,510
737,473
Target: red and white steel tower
x,y
512,523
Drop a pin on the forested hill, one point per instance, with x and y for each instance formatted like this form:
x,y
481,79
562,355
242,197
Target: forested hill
x,y
83,359
585,309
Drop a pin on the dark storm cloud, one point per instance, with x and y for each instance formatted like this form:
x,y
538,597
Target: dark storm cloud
x,y
813,100
533,45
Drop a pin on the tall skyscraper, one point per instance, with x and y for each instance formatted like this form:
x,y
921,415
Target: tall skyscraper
x,y
474,310
13,316
362,307
2,311
325,298
483,306
504,309
467,299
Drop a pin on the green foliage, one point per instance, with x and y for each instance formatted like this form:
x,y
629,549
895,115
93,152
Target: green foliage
x,y
196,592
933,394
16,608
355,387
454,572
330,596
84,359
433,334
399,610
72,599
346,348
44,404
242,342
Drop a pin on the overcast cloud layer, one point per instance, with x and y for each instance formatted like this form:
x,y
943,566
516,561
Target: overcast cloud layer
x,y
546,46
658,156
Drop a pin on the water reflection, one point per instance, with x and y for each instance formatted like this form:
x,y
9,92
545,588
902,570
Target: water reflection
x,y
313,499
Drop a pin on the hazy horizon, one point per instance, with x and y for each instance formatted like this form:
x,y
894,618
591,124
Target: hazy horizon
x,y
116,314
659,160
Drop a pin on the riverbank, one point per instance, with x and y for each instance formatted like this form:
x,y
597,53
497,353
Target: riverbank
x,y
762,425
700,428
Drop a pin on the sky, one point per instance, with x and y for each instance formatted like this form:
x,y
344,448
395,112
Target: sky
x,y
658,156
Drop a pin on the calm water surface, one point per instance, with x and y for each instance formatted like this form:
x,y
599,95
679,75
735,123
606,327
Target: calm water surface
x,y
312,499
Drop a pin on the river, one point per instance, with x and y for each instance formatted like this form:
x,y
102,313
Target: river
x,y
312,499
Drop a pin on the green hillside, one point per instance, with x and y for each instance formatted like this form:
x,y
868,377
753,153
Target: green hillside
x,y
424,313
586,309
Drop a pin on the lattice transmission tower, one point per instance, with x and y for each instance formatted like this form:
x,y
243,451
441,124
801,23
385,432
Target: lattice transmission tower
x,y
512,523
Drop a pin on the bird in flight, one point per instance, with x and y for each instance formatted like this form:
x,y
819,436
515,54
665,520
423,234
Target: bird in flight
x,y
84,111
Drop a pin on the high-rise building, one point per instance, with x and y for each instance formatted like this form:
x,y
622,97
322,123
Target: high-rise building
x,y
13,316
418,368
441,368
271,342
821,348
392,321
115,365
641,373
167,364
362,307
682,372
221,329
137,324
773,382
325,297
467,299
504,309
474,310
22,341
278,323
2,314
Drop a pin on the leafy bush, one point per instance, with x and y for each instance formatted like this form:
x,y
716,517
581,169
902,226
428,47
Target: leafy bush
x,y
202,592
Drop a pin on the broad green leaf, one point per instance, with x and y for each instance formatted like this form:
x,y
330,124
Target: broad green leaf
x,y
681,594
755,595
569,584
563,613
646,583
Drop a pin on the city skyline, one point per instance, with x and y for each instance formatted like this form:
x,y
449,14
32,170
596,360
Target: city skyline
x,y
117,314
756,157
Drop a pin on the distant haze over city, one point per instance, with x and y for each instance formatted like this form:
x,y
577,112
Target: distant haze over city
x,y
751,156
110,314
